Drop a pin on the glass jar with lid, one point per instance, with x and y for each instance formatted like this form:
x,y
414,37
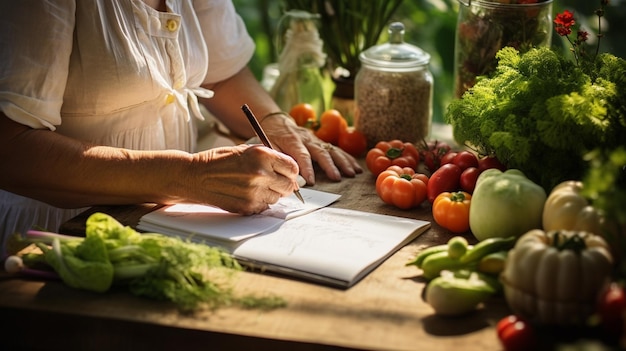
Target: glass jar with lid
x,y
300,61
393,91
486,26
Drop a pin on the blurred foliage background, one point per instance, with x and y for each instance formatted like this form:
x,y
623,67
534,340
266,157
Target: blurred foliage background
x,y
431,25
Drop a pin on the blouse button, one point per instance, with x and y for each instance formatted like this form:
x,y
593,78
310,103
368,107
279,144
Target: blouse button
x,y
171,25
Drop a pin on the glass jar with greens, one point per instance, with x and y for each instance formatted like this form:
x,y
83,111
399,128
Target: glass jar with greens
x,y
301,58
486,26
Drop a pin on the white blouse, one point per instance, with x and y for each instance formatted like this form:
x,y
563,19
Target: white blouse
x,y
111,72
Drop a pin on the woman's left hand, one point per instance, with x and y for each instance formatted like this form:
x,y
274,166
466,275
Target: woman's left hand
x,y
304,147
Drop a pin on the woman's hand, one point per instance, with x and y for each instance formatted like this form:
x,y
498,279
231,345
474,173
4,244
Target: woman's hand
x,y
305,147
244,179
285,135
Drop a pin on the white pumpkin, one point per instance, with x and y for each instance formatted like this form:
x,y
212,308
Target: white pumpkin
x,y
555,277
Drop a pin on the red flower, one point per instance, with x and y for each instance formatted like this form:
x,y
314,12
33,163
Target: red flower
x,y
563,31
582,36
563,23
565,19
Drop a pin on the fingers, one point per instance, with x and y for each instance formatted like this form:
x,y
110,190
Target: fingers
x,y
291,139
334,161
322,153
275,172
286,172
306,148
243,179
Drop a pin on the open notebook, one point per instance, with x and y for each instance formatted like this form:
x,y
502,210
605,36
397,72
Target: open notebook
x,y
310,241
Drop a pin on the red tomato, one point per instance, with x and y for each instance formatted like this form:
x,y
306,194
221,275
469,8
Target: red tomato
x,y
515,334
465,159
451,211
468,179
401,187
304,114
421,176
331,124
377,161
405,172
448,157
611,309
446,178
488,162
352,141
394,152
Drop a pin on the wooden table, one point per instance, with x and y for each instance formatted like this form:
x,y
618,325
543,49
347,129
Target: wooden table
x,y
384,311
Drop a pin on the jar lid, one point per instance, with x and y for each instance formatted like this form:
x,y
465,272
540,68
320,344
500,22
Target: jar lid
x,y
395,53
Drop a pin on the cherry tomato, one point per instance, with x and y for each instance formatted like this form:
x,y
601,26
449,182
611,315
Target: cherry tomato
x,y
352,141
465,159
446,178
468,179
331,124
401,187
516,334
451,211
488,162
431,153
394,152
304,114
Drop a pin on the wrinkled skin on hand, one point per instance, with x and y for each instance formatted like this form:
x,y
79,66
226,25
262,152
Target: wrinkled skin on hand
x,y
244,179
305,147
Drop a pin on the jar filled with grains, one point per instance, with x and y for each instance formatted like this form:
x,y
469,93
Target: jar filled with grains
x,y
393,91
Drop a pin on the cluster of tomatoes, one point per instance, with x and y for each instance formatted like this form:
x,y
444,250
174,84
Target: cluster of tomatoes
x,y
407,176
331,127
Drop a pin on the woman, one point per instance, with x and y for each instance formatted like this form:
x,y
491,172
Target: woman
x,y
99,105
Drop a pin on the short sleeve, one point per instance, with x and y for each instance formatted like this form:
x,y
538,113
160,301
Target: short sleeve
x,y
36,40
229,45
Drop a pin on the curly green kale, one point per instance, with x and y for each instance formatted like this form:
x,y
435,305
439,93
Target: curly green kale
x,y
540,113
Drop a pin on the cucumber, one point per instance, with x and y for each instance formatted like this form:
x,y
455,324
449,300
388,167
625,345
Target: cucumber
x,y
486,247
493,263
457,247
421,256
437,262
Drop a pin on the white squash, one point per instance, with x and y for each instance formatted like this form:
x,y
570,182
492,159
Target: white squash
x,y
567,209
555,277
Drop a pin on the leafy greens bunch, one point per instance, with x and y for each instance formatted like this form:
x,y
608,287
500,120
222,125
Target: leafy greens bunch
x,y
541,112
152,265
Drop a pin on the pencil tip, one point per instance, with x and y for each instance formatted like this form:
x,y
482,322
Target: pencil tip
x,y
298,195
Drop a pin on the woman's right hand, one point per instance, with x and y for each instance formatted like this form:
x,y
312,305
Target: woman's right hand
x,y
244,179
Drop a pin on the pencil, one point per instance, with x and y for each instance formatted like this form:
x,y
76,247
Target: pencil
x,y
261,134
